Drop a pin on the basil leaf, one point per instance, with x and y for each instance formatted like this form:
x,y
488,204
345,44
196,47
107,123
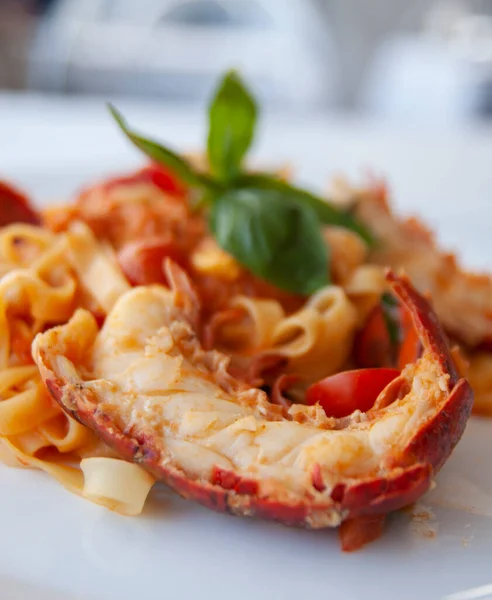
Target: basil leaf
x,y
389,301
164,156
327,213
232,119
277,240
389,307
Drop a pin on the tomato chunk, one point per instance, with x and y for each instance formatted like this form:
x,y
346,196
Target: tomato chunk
x,y
410,347
388,339
15,207
341,394
153,173
373,346
142,261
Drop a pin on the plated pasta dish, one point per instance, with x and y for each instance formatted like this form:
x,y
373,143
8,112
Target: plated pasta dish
x,y
262,350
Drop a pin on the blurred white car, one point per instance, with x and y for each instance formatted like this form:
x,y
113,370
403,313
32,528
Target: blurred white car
x,y
178,49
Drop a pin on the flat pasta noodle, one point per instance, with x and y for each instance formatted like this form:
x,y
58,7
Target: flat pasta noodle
x,y
26,410
479,374
4,335
256,330
316,340
19,242
365,287
97,269
30,443
337,318
65,434
15,376
296,335
347,252
27,293
115,483
366,280
42,275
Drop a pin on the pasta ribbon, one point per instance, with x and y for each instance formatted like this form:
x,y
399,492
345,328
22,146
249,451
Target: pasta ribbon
x,y
43,276
117,484
96,267
316,340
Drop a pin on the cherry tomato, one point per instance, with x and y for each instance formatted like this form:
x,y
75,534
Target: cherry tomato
x,y
341,394
153,173
165,180
410,347
373,346
15,207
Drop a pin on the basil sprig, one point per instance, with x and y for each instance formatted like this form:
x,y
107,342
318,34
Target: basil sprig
x,y
279,240
232,120
389,307
327,213
164,156
271,227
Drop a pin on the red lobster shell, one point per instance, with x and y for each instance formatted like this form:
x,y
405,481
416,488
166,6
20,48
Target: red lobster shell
x,y
334,471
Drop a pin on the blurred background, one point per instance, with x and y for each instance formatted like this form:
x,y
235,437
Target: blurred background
x,y
427,61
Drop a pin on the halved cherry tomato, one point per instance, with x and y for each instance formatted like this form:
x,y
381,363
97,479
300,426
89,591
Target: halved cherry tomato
x,y
341,394
15,207
153,173
373,346
166,180
411,346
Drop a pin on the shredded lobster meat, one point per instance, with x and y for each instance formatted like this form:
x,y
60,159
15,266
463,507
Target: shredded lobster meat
x,y
121,213
462,300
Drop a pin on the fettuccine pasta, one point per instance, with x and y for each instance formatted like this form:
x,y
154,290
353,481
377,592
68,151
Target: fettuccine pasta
x,y
44,276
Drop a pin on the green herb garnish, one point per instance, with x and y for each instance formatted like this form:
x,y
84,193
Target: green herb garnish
x,y
389,307
232,120
269,226
277,239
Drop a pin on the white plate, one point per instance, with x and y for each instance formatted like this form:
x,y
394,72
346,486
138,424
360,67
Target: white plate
x,y
55,545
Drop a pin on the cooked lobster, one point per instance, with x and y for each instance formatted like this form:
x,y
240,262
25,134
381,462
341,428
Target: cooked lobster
x,y
146,386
